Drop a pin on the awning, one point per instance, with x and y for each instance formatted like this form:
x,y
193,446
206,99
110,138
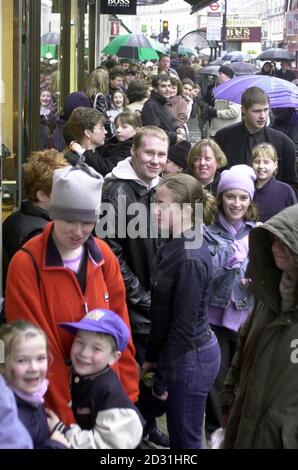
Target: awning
x,y
198,4
143,3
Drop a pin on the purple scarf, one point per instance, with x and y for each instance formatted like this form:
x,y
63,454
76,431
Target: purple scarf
x,y
36,397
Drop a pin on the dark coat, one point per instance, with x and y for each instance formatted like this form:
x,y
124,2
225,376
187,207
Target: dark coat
x,y
289,127
180,294
260,394
58,141
105,158
288,75
156,113
135,255
272,198
20,227
233,142
34,419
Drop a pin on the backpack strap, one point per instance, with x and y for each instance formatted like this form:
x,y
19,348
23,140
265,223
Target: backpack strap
x,y
34,264
95,99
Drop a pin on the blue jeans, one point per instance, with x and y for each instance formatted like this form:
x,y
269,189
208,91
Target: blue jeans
x,y
185,407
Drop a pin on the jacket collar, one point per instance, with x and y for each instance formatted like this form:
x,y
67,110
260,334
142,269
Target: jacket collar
x,y
217,228
157,97
53,257
30,209
174,245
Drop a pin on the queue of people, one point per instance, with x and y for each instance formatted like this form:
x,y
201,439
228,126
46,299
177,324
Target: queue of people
x,y
139,256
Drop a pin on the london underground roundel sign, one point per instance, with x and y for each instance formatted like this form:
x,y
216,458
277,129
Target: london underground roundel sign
x,y
214,6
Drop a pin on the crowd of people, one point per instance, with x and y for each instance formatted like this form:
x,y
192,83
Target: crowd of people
x,y
145,275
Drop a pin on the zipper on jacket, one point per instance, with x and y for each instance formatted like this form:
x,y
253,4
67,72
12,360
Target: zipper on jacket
x,y
86,308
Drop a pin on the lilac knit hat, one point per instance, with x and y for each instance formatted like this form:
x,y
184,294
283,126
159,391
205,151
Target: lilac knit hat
x,y
238,177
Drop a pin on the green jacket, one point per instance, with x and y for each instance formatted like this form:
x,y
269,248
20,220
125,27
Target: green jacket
x,y
260,394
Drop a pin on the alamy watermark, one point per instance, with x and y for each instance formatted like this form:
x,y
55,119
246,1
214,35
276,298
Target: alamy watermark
x,y
153,220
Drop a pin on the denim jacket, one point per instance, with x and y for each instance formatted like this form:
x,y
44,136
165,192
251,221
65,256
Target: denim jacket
x,y
226,283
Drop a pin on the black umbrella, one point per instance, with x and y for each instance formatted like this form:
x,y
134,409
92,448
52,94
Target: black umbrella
x,y
243,68
277,54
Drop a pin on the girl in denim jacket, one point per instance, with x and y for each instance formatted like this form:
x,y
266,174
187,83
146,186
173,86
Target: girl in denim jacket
x,y
230,300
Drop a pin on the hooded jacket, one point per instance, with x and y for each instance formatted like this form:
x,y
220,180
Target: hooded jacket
x,y
56,297
260,395
121,189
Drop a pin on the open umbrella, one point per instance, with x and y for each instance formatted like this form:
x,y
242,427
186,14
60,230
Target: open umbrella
x,y
281,93
184,50
50,38
135,47
236,56
243,68
277,54
209,70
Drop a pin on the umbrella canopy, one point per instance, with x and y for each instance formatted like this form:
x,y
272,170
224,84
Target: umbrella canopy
x,y
186,51
209,70
281,93
50,38
135,47
236,56
243,68
276,53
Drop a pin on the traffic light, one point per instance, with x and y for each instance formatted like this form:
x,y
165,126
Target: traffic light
x,y
165,31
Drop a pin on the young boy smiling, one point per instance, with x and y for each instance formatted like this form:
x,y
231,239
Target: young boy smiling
x,y
106,418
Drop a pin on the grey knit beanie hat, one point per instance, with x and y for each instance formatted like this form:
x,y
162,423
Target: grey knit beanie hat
x,y
76,193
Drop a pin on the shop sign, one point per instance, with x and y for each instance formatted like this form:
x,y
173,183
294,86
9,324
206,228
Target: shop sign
x,y
244,34
118,7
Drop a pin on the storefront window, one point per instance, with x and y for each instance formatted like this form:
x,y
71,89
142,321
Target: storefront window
x,y
8,104
50,70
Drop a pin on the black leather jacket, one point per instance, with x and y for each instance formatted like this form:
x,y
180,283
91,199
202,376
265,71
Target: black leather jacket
x,y
135,255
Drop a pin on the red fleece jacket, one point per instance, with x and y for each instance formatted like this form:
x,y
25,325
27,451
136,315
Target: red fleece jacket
x,y
58,298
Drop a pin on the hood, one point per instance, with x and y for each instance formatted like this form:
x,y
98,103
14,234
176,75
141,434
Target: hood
x,y
125,171
261,268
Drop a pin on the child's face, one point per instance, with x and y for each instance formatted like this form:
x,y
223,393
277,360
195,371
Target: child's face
x,y
118,100
124,131
28,364
187,90
174,90
45,98
195,92
91,353
264,168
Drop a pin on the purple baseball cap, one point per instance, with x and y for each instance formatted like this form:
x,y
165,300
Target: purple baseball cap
x,y
101,320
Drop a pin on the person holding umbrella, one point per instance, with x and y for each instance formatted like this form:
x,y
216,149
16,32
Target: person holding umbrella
x,y
285,72
224,112
237,141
